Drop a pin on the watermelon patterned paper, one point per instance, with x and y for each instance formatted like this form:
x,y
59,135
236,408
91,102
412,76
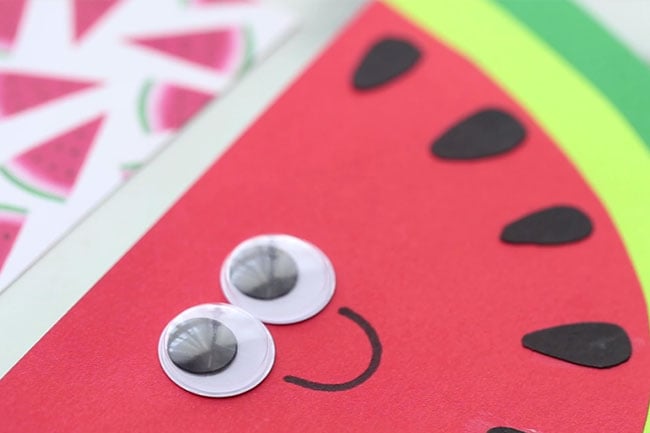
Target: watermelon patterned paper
x,y
91,89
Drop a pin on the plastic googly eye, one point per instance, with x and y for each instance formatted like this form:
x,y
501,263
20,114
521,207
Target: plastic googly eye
x,y
216,350
280,279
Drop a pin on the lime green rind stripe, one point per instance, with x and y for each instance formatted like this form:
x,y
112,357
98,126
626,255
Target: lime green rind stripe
x,y
14,209
11,177
619,74
597,138
142,105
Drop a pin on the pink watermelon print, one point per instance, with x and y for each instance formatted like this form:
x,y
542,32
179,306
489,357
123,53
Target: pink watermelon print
x,y
87,13
11,221
11,13
215,2
223,50
167,107
129,169
19,92
50,170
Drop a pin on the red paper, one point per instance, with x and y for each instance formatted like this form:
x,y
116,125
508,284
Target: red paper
x,y
415,244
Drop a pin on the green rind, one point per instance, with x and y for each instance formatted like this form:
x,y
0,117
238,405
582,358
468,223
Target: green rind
x,y
619,74
607,151
249,49
11,177
132,165
14,209
142,105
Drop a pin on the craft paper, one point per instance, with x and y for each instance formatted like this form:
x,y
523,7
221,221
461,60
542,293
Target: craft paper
x,y
77,61
430,307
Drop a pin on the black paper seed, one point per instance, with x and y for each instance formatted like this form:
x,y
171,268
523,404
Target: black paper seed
x,y
202,346
550,226
486,133
503,430
591,344
386,60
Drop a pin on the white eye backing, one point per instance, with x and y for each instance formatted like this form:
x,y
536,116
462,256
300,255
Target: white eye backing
x,y
280,279
216,350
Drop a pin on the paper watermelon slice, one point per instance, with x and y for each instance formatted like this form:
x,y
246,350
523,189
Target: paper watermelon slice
x,y
167,107
11,221
11,13
50,170
415,241
23,91
87,13
225,50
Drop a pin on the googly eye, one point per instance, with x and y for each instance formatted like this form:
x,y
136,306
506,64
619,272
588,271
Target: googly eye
x,y
216,350
280,279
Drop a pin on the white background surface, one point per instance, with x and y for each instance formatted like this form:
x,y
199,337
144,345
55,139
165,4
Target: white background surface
x,y
43,294
121,139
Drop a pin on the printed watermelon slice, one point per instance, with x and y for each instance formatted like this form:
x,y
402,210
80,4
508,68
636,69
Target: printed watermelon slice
x,y
50,170
129,169
167,107
225,50
20,92
214,2
11,221
10,17
87,13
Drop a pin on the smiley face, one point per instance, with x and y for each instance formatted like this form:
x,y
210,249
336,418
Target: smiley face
x,y
219,350
460,256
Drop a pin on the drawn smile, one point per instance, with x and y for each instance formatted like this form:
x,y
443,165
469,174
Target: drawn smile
x,y
375,359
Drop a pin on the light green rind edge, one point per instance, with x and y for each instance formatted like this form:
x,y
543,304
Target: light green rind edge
x,y
14,209
606,150
11,177
142,105
132,165
249,49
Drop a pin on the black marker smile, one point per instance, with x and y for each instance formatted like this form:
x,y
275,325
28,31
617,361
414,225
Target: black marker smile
x,y
373,338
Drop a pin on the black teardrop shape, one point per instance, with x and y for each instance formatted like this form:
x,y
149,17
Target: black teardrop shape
x,y
590,344
550,226
504,430
386,60
486,133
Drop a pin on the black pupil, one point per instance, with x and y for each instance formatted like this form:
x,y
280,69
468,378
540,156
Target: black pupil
x,y
264,272
202,346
